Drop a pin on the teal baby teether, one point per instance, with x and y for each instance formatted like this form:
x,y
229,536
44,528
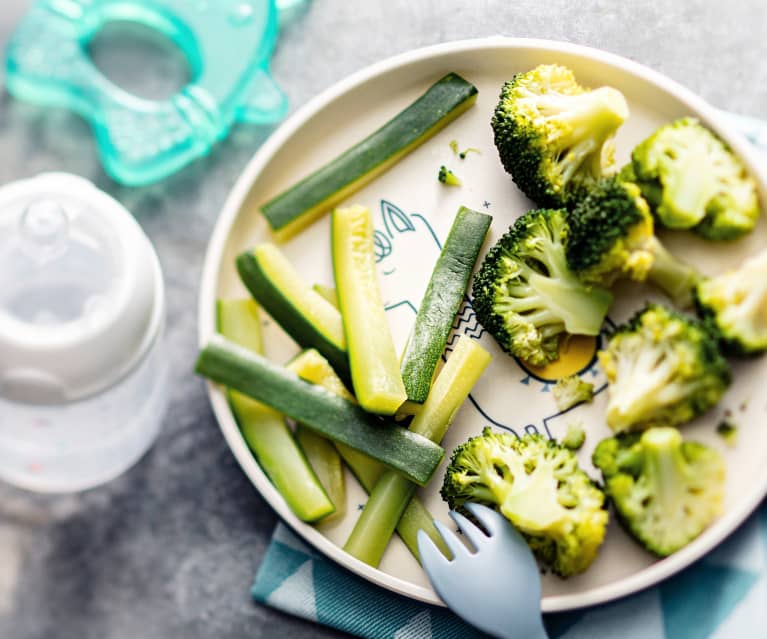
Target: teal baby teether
x,y
228,44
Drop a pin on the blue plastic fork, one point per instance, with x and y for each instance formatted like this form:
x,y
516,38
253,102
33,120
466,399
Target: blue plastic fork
x,y
497,587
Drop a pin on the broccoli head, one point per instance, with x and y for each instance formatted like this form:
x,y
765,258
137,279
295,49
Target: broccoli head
x,y
554,136
735,305
538,486
526,296
612,235
666,491
693,180
663,368
572,390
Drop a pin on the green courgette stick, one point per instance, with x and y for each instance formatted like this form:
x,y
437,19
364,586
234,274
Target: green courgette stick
x,y
304,314
328,292
443,298
326,463
314,368
319,192
373,359
389,498
322,454
416,457
265,430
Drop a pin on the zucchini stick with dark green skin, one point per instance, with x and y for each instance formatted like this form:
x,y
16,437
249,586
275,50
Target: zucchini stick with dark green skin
x,y
318,193
415,456
314,368
392,493
303,313
265,430
441,301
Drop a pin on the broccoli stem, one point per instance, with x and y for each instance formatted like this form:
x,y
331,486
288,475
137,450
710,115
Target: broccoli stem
x,y
389,498
686,192
564,299
675,278
664,465
581,309
531,503
647,377
591,116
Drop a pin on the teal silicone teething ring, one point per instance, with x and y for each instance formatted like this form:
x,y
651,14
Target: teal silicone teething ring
x,y
228,44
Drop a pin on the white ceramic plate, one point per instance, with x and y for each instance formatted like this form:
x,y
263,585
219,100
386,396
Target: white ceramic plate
x,y
414,213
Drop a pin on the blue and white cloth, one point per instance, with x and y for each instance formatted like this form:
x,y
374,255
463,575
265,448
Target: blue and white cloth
x,y
723,595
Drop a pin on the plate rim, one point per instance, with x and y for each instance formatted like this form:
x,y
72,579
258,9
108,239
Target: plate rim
x,y
648,577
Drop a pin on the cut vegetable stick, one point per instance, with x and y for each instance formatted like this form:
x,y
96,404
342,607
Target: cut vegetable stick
x,y
314,368
304,314
373,360
265,430
326,463
319,192
322,453
328,292
327,414
441,301
389,498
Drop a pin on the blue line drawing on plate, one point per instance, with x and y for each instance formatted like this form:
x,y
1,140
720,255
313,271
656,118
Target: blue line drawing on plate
x,y
401,236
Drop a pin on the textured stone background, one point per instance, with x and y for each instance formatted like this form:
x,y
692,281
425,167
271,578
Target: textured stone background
x,y
169,550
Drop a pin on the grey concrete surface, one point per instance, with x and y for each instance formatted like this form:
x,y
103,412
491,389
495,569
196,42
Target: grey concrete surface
x,y
169,549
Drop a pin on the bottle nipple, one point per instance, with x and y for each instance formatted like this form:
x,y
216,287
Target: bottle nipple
x,y
44,230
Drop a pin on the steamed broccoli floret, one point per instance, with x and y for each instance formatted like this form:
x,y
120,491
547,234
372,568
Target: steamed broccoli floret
x,y
446,176
572,390
555,137
537,485
693,180
735,305
612,235
575,436
665,491
663,368
527,297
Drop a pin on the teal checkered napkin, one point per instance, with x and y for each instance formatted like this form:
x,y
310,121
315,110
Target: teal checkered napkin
x,y
722,595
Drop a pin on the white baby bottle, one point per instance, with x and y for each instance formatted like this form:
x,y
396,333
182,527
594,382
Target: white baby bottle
x,y
83,378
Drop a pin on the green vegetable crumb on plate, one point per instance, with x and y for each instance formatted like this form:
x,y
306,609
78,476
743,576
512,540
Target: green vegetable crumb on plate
x,y
572,390
575,435
728,432
447,177
462,154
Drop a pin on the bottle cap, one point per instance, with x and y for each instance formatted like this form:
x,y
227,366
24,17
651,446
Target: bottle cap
x,y
81,291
